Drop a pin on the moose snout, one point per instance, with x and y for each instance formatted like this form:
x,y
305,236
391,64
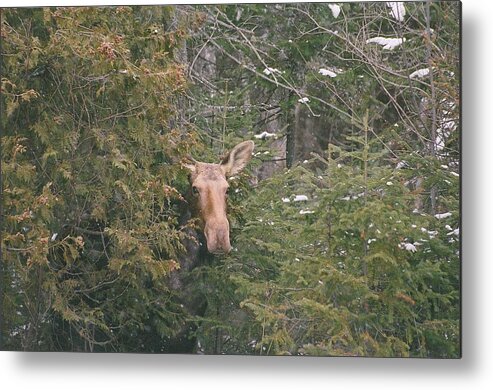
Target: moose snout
x,y
217,236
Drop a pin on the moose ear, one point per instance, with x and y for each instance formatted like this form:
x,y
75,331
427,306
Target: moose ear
x,y
189,164
238,158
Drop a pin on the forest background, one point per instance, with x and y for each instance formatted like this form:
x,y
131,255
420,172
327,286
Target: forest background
x,y
346,230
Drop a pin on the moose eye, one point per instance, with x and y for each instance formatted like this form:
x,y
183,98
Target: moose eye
x,y
195,190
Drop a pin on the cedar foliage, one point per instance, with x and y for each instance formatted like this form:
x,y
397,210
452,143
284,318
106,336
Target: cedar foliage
x,y
352,251
89,181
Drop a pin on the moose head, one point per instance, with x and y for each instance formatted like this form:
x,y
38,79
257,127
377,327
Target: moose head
x,y
209,188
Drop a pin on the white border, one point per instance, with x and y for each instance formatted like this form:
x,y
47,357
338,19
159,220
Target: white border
x,y
474,371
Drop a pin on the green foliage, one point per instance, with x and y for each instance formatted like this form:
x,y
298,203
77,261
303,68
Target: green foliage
x,y
89,178
354,251
351,270
368,264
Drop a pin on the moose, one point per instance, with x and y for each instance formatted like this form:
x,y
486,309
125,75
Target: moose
x,y
209,188
207,201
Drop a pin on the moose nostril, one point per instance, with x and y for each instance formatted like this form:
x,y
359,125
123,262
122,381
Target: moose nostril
x,y
217,239
219,247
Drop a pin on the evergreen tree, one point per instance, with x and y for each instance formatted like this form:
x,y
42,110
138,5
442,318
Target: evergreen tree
x,y
345,228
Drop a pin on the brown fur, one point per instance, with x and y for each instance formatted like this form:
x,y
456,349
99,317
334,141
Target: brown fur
x,y
209,184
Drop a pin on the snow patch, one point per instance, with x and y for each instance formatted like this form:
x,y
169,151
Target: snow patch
x,y
420,73
302,212
387,43
327,72
268,71
304,100
300,198
398,11
336,10
264,135
454,232
401,164
444,215
408,246
432,233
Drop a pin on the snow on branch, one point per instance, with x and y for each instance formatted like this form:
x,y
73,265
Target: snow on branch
x,y
442,216
454,232
326,72
300,198
408,246
387,43
268,71
264,135
336,10
398,11
420,73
